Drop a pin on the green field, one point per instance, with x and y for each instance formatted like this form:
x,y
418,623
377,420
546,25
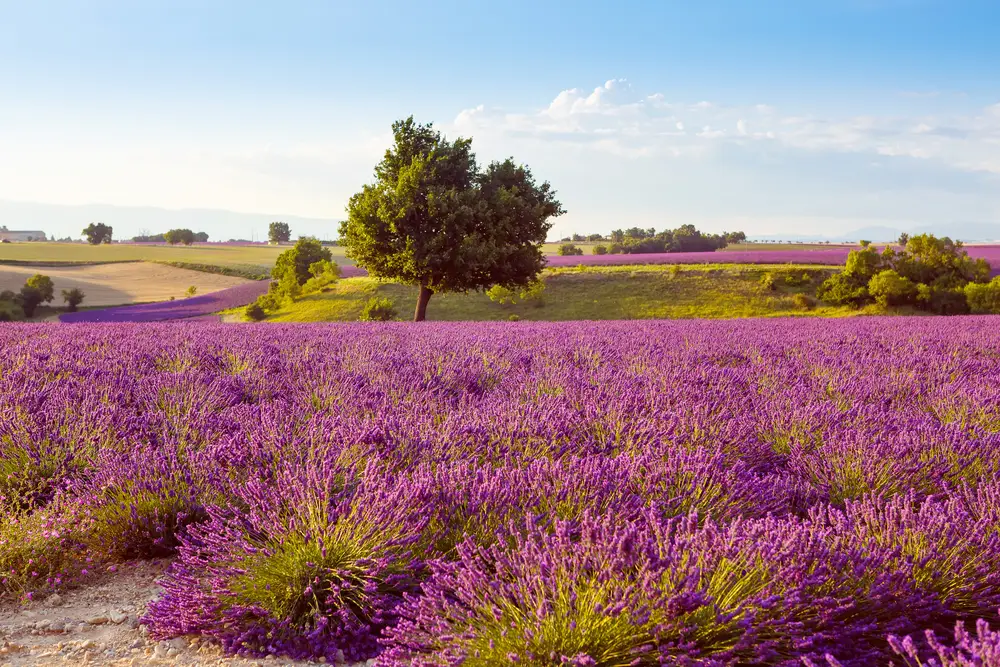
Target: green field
x,y
593,293
260,257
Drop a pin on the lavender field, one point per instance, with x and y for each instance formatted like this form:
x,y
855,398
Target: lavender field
x,y
700,493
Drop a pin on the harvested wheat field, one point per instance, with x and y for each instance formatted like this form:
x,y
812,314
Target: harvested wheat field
x,y
121,283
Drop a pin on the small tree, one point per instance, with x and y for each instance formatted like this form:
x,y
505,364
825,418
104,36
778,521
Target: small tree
x,y
191,291
175,236
600,250
984,299
279,232
433,219
903,239
73,298
29,298
201,237
569,249
292,269
44,286
98,233
254,312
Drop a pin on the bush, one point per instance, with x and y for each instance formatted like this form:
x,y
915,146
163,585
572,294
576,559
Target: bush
x,y
804,301
888,288
191,291
767,282
254,312
378,309
984,299
600,250
842,289
505,295
324,273
73,298
268,302
514,318
616,249
793,280
295,264
942,301
569,249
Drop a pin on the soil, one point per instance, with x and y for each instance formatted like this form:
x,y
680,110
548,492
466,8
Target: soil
x,y
98,624
118,284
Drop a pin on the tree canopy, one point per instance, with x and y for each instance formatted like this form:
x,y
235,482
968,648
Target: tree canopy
x,y
97,233
279,232
434,219
175,236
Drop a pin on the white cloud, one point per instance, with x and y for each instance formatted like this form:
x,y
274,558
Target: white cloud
x,y
613,118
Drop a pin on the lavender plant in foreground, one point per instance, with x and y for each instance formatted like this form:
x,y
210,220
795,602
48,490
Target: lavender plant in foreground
x,y
744,492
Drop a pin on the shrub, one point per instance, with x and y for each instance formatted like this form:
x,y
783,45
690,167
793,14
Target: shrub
x,y
674,270
514,318
378,309
793,280
984,299
888,288
191,291
254,312
616,249
505,295
767,282
569,249
803,301
294,265
44,286
324,273
843,289
600,250
942,301
73,298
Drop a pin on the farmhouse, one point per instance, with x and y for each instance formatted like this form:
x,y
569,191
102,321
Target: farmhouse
x,y
14,235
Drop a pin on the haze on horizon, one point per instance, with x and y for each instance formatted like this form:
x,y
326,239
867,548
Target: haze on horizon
x,y
802,117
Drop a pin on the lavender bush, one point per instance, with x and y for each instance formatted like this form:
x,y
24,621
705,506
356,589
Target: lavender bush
x,y
770,492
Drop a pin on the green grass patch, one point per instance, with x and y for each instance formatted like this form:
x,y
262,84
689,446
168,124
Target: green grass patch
x,y
597,293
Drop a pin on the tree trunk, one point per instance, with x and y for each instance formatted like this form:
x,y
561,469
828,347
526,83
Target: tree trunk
x,y
425,295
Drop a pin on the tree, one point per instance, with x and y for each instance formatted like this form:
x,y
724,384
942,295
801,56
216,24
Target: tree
x,y
175,236
73,298
44,286
98,233
434,219
279,232
191,291
903,239
888,288
292,268
29,298
569,249
201,237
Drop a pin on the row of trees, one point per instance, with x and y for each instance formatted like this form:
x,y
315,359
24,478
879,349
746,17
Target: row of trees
x,y
39,289
173,237
685,238
927,273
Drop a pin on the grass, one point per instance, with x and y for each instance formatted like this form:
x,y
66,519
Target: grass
x,y
594,293
235,257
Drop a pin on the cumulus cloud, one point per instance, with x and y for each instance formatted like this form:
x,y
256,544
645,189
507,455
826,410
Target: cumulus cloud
x,y
614,118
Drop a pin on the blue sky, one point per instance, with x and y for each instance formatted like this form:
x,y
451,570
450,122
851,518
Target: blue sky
x,y
768,115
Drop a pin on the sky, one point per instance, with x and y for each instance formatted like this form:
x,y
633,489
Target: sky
x,y
770,116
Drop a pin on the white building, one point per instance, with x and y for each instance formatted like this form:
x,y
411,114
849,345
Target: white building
x,y
18,235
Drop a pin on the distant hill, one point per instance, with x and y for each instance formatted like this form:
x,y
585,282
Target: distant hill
x,y
969,232
128,221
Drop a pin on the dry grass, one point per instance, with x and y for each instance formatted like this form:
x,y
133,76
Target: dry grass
x,y
117,284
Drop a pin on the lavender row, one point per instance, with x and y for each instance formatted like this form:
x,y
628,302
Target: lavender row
x,y
687,493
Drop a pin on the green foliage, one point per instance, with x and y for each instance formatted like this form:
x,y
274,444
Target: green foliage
x,y
268,302
600,250
567,249
324,273
29,299
984,299
73,298
44,286
506,296
930,273
175,236
616,249
98,233
254,312
514,318
191,291
378,309
767,282
433,218
864,243
293,266
888,288
803,301
279,232
903,239
794,280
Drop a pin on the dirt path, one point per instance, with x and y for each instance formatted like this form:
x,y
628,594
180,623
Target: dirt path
x,y
98,625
